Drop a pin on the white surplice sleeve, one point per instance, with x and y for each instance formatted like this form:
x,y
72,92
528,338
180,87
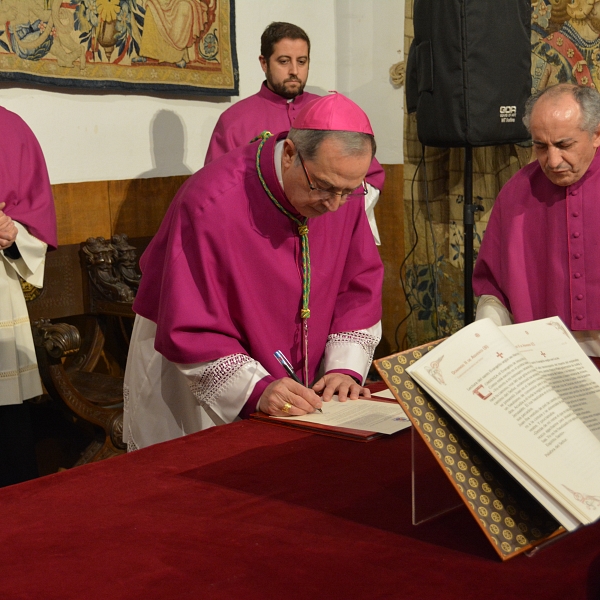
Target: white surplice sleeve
x,y
370,201
492,308
223,386
352,350
30,265
164,400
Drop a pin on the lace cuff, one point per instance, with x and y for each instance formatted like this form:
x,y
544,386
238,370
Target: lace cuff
x,y
223,386
352,350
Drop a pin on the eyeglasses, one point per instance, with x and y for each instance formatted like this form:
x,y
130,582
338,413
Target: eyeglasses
x,y
328,194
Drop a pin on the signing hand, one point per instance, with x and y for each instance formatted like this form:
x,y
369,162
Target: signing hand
x,y
286,397
342,385
8,230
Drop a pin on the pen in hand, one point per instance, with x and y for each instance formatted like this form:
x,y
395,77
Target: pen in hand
x,y
285,363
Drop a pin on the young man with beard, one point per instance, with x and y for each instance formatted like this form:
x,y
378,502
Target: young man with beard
x,y
285,58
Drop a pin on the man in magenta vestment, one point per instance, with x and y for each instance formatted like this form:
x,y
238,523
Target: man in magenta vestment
x,y
266,248
27,229
541,248
285,57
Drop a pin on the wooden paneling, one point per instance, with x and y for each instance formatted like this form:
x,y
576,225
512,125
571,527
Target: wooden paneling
x,y
82,211
102,208
389,213
137,206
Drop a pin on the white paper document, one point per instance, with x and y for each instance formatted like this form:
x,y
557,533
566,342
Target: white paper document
x,y
383,394
366,415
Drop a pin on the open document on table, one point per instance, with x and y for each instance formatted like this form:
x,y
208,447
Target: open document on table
x,y
366,415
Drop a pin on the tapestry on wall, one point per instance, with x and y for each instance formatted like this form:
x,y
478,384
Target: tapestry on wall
x,y
565,42
176,46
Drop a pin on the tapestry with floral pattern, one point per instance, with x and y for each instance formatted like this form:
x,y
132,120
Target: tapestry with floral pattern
x,y
177,46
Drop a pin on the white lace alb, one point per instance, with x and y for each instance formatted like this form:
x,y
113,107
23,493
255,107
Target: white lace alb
x,y
208,383
361,338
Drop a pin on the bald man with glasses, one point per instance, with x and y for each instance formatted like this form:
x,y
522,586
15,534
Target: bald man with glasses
x,y
325,192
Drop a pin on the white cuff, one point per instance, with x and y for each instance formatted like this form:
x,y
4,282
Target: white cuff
x,y
223,386
370,201
352,350
492,308
30,265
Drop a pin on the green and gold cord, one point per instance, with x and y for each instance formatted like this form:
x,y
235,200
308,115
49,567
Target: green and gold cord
x,y
302,231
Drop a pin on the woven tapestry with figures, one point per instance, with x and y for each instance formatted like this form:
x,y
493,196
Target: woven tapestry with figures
x,y
177,46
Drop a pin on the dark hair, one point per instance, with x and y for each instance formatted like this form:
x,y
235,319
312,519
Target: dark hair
x,y
588,99
307,141
277,31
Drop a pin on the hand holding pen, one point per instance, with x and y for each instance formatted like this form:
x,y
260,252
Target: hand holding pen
x,y
285,363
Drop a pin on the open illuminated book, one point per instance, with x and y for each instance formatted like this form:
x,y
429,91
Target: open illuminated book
x,y
530,397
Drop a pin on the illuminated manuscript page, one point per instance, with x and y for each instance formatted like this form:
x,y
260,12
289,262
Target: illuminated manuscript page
x,y
491,385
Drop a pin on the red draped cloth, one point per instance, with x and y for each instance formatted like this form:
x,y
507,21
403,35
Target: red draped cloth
x,y
255,511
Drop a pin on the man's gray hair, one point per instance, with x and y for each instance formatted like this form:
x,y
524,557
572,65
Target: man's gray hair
x,y
588,99
308,141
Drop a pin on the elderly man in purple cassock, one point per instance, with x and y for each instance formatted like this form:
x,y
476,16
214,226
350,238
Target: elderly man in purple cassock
x,y
27,229
285,60
267,248
540,252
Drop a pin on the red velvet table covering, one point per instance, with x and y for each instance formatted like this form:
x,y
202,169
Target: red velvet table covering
x,y
250,510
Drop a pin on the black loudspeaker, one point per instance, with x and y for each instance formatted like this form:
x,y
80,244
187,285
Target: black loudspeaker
x,y
469,71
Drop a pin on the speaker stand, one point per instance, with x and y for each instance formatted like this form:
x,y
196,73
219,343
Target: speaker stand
x,y
469,221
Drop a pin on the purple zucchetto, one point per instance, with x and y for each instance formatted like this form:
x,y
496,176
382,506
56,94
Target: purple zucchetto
x,y
334,112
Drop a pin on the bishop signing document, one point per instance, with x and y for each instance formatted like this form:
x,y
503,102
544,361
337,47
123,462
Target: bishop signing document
x,y
266,248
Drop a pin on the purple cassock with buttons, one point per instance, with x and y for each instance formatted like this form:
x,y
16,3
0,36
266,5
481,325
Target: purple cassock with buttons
x,y
541,249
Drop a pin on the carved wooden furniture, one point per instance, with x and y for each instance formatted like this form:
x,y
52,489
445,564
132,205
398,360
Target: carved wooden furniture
x,y
108,292
96,398
81,322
